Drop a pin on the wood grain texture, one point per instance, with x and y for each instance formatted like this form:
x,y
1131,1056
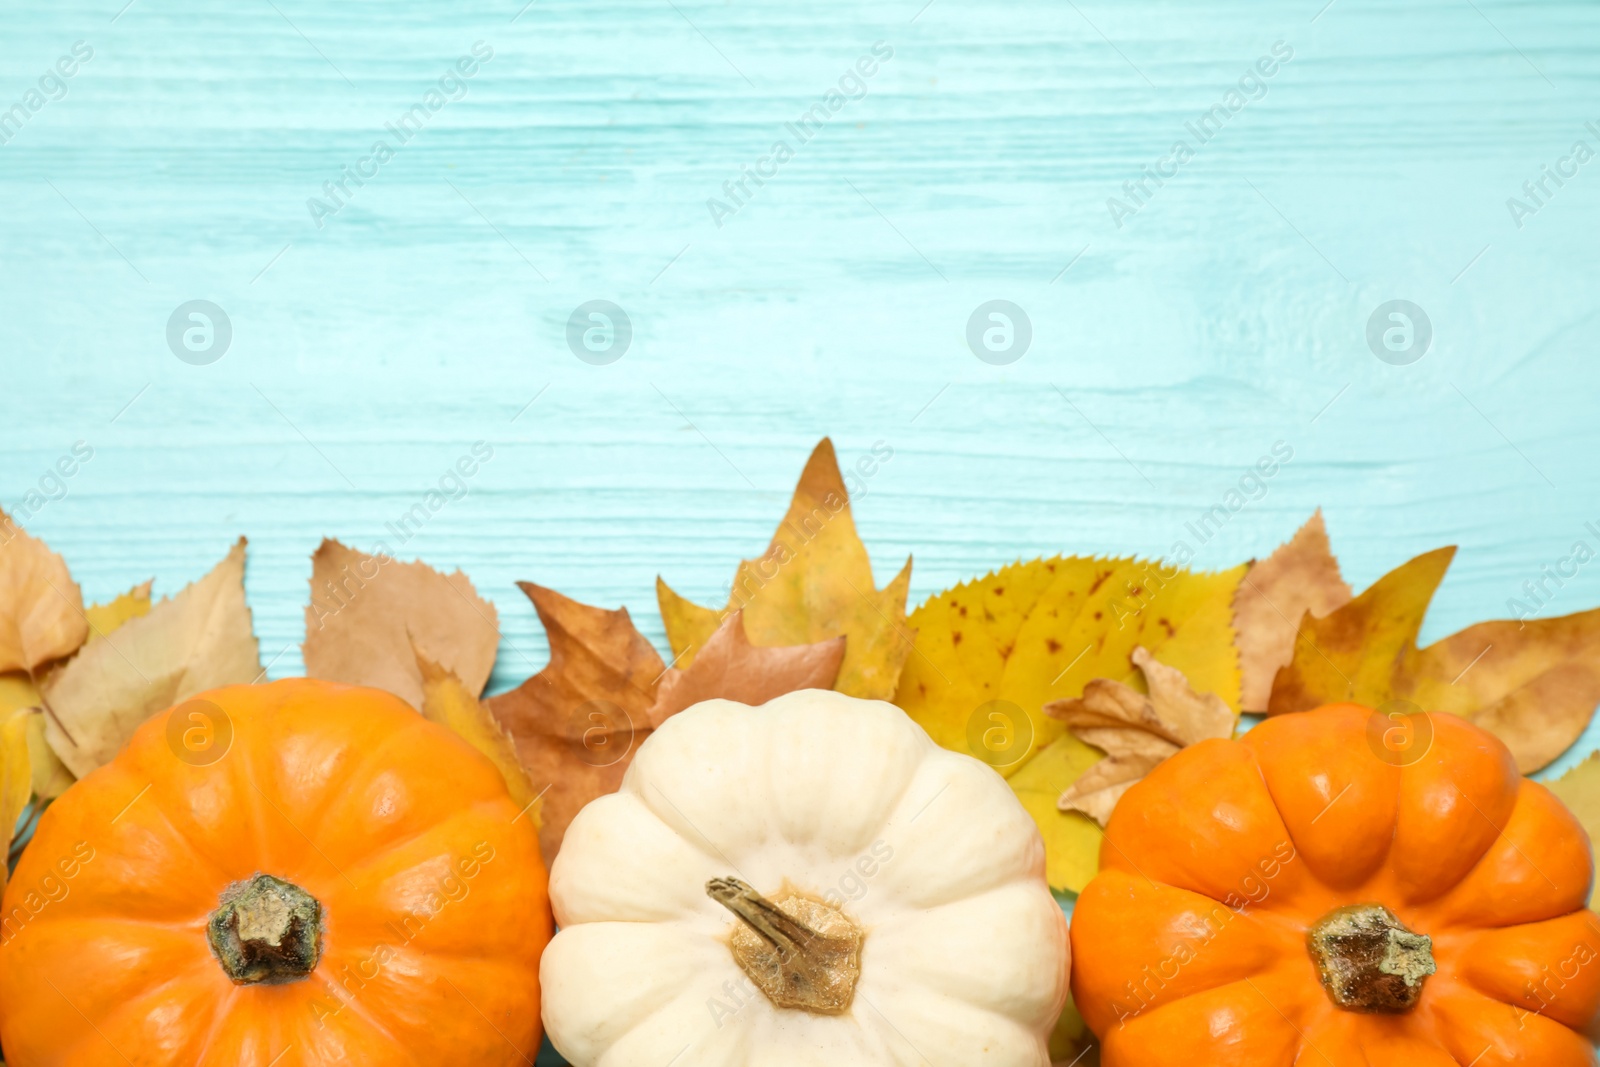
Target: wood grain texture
x,y
1227,314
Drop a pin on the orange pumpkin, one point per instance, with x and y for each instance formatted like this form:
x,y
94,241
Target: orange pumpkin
x,y
298,873
1340,888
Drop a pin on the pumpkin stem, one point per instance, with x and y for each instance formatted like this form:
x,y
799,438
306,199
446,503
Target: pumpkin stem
x,y
265,930
1368,961
800,952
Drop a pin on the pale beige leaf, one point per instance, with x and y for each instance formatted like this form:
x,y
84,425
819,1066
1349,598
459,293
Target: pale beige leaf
x,y
1301,575
365,611
1192,716
41,607
197,640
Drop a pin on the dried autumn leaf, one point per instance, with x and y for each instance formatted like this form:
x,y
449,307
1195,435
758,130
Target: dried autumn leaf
x,y
577,723
813,582
1579,790
1533,683
103,618
992,652
1135,731
448,702
197,640
16,774
731,668
365,610
1301,575
41,607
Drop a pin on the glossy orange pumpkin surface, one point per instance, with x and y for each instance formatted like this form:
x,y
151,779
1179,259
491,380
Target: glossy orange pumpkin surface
x,y
424,880
1191,945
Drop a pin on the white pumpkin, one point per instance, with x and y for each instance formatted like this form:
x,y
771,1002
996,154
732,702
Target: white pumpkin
x,y
913,866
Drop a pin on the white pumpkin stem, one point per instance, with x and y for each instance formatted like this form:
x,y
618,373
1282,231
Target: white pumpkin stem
x,y
784,955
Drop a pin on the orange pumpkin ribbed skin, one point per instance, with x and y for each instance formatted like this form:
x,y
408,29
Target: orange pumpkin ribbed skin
x,y
433,894
1189,947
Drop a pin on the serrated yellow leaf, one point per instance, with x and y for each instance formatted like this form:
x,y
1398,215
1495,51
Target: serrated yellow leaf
x,y
813,583
992,652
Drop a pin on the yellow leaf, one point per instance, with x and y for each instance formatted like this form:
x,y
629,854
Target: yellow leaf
x,y
41,607
50,775
365,610
103,618
16,774
1534,683
814,582
448,702
1579,790
1071,838
992,652
197,640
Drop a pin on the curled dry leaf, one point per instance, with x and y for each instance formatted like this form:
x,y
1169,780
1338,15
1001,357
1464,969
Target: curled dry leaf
x,y
730,667
577,723
1301,575
365,610
447,701
992,652
197,640
1135,731
1533,683
41,607
814,582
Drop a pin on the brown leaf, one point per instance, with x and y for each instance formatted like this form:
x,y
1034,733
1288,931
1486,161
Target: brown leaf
x,y
197,640
577,723
365,610
1135,731
1534,683
41,607
1579,790
731,668
1301,576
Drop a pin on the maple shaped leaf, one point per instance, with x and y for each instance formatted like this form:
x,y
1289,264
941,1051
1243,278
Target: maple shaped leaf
x,y
197,640
992,652
366,610
1135,731
1533,683
41,607
577,723
1301,575
814,582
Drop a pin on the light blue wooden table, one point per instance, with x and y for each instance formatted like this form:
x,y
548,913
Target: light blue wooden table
x,y
1176,335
